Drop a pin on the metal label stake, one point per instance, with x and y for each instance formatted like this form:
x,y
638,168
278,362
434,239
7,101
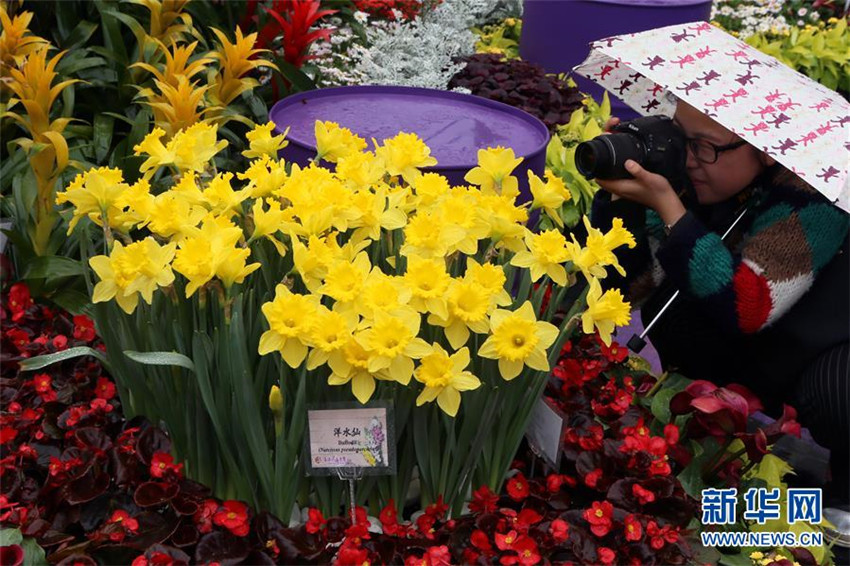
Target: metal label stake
x,y
351,475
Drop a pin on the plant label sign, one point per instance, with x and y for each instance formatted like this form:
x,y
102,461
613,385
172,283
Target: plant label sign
x,y
545,430
353,438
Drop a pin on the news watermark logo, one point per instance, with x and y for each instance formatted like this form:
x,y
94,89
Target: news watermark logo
x,y
720,507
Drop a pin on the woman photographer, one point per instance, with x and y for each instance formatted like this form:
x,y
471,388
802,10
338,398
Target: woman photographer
x,y
769,306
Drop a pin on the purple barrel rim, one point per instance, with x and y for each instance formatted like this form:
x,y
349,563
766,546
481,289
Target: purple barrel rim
x,y
530,134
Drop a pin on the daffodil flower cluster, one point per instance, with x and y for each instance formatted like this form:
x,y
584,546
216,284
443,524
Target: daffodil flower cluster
x,y
394,275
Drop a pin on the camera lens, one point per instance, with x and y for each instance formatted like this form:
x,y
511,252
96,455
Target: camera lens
x,y
604,156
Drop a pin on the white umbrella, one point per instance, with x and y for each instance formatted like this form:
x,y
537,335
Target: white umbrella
x,y
799,122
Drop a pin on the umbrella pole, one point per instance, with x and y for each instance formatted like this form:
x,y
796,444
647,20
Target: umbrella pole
x,y
637,342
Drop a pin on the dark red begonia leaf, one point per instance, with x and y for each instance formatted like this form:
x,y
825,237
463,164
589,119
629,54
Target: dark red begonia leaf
x,y
151,441
93,438
86,487
155,493
185,535
221,547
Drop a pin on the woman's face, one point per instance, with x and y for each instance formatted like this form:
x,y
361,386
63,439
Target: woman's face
x,y
734,169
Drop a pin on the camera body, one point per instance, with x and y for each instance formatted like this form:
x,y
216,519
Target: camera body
x,y
655,142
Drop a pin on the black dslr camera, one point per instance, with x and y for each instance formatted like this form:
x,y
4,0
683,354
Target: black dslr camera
x,y
655,142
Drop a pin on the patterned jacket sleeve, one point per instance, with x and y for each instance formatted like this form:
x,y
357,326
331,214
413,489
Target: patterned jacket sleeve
x,y
794,233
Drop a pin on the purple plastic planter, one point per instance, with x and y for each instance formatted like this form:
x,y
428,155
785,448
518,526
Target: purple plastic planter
x,y
455,126
556,33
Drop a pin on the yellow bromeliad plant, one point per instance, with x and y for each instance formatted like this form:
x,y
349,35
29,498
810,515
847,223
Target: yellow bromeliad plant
x,y
246,296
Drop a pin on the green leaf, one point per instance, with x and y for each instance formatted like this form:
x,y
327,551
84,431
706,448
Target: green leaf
x,y
51,267
103,127
161,359
661,404
80,35
68,101
33,553
771,469
39,362
9,537
74,66
297,78
72,301
113,42
131,22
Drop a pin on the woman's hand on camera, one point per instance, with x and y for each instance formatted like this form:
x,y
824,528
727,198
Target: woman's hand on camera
x,y
611,124
648,189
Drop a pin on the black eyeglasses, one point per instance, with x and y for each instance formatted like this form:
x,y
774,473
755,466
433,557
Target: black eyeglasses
x,y
707,152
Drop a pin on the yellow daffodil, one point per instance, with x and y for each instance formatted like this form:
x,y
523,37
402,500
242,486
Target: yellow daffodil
x,y
345,279
200,256
444,377
492,278
604,311
189,150
332,330
428,234
131,271
137,202
187,189
603,245
158,154
507,221
493,173
195,260
351,365
171,215
518,339
196,145
290,318
221,198
547,252
381,293
334,142
404,155
376,211
549,195
469,303
428,281
262,143
268,222
319,200
265,176
360,169
459,209
393,343
599,251
312,260
429,188
233,267
94,193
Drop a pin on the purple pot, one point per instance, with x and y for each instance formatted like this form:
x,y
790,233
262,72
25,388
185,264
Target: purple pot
x,y
556,33
455,126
